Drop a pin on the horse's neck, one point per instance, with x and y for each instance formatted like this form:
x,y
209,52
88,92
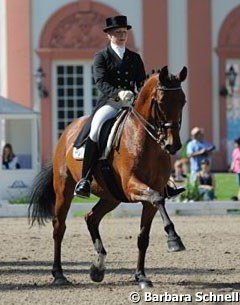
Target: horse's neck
x,y
144,99
139,141
146,159
143,107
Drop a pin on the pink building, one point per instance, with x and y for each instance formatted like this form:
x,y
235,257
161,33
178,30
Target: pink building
x,y
61,37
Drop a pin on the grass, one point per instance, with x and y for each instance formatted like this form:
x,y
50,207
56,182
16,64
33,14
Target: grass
x,y
19,200
92,199
79,214
226,186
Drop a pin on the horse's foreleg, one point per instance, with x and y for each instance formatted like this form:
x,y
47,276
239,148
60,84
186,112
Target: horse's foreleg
x,y
93,219
174,241
148,213
62,204
138,191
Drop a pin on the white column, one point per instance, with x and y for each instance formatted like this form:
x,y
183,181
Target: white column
x,y
54,103
178,52
35,144
87,87
2,137
2,131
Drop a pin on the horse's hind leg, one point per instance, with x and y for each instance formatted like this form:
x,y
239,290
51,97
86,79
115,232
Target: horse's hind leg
x,y
148,214
93,219
64,196
174,241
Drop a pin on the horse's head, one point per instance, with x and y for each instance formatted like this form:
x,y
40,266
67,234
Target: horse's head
x,y
167,103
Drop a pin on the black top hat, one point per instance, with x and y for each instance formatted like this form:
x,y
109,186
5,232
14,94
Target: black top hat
x,y
116,22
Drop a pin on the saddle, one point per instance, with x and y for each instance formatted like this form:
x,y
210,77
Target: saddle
x,y
109,136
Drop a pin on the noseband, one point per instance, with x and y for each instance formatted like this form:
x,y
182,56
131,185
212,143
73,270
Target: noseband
x,y
158,130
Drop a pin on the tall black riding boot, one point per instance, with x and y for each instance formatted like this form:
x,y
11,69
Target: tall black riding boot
x,y
172,192
82,188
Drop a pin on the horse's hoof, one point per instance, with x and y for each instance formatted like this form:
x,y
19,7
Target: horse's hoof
x,y
175,245
142,281
61,281
145,283
96,275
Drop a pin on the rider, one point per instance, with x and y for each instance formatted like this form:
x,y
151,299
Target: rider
x,y
117,71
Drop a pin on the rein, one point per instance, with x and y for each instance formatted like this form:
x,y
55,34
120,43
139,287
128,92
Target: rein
x,y
156,131
163,88
149,128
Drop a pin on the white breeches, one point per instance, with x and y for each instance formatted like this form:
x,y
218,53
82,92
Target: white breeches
x,y
103,114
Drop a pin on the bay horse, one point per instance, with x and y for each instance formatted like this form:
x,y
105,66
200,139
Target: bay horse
x,y
141,166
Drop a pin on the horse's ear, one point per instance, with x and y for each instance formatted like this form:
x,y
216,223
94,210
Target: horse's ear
x,y
182,75
163,75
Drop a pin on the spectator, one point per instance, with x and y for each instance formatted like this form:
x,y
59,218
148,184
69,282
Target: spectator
x,y
235,165
9,159
178,175
206,181
197,150
184,157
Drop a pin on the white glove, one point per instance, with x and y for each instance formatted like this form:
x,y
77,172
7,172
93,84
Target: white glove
x,y
126,96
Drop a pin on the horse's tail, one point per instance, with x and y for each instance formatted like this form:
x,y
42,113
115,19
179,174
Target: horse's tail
x,y
42,197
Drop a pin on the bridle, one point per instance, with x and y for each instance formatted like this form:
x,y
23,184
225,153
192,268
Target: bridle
x,y
159,112
157,130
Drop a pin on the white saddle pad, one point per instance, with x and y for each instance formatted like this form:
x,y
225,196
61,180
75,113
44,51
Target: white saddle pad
x,y
78,153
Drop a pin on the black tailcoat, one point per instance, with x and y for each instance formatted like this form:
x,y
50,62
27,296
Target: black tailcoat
x,y
111,75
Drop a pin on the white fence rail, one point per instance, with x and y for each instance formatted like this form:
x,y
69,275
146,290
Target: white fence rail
x,y
131,209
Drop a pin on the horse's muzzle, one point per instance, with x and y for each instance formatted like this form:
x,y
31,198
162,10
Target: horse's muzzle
x,y
172,149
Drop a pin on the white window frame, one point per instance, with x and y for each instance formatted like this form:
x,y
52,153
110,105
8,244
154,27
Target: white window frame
x,y
87,94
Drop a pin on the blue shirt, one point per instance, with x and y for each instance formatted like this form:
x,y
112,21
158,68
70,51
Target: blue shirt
x,y
195,146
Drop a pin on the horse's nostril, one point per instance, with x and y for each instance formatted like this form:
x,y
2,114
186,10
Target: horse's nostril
x,y
172,149
168,148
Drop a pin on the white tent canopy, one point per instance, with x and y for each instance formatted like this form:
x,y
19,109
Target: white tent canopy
x,y
9,107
